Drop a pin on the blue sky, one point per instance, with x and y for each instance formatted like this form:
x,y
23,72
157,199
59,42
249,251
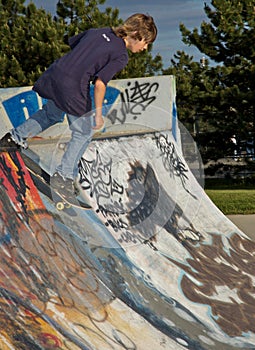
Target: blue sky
x,y
167,14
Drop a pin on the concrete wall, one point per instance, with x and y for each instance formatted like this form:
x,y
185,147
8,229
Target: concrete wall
x,y
130,106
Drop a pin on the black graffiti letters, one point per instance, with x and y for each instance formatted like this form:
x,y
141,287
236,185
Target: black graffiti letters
x,y
96,177
172,162
138,97
135,99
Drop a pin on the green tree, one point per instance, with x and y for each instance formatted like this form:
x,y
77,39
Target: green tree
x,y
30,40
81,15
223,95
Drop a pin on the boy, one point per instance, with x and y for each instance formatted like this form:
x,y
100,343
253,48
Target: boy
x,y
96,56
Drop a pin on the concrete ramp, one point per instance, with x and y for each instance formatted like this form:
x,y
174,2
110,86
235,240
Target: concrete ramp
x,y
155,265
53,289
179,244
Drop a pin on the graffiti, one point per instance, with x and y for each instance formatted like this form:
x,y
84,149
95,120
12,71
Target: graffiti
x,y
137,213
172,161
213,271
50,340
149,193
157,209
127,101
134,100
19,107
24,104
96,177
44,268
60,291
18,185
118,224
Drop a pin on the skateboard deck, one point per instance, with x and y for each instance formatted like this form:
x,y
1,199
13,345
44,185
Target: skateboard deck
x,y
42,181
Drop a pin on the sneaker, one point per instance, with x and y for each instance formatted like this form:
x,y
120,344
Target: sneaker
x,y
64,187
7,142
20,141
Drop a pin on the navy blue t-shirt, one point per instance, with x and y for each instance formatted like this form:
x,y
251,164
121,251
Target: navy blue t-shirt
x,y
95,53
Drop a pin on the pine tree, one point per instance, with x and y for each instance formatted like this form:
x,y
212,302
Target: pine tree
x,y
30,41
81,15
41,41
225,100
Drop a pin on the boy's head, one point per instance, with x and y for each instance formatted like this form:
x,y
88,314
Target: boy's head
x,y
138,27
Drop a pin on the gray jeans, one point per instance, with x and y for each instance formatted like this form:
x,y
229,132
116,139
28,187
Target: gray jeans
x,y
50,114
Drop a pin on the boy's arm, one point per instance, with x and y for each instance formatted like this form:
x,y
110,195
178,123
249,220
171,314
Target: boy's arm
x,y
99,93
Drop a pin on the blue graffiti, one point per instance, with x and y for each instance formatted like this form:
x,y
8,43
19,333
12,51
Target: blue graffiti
x,y
110,97
21,106
174,121
17,106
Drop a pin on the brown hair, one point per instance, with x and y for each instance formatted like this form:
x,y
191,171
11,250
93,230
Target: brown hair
x,y
138,26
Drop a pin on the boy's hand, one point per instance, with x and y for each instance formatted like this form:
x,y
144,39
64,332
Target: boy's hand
x,y
99,93
99,121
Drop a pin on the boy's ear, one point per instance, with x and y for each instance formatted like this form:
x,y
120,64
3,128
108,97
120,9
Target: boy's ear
x,y
134,34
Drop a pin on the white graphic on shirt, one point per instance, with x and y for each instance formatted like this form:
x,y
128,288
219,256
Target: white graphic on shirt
x,y
106,37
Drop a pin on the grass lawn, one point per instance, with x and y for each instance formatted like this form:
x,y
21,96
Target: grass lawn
x,y
233,201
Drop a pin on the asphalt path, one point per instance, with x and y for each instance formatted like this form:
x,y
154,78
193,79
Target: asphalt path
x,y
245,223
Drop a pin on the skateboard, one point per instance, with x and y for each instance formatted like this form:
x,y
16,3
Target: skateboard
x,y
42,181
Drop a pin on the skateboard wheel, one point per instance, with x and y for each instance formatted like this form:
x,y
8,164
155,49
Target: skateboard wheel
x,y
60,206
62,146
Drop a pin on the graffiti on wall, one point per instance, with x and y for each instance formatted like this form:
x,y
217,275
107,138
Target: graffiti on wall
x,y
134,100
135,211
126,101
20,106
217,272
51,294
221,275
44,271
172,161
